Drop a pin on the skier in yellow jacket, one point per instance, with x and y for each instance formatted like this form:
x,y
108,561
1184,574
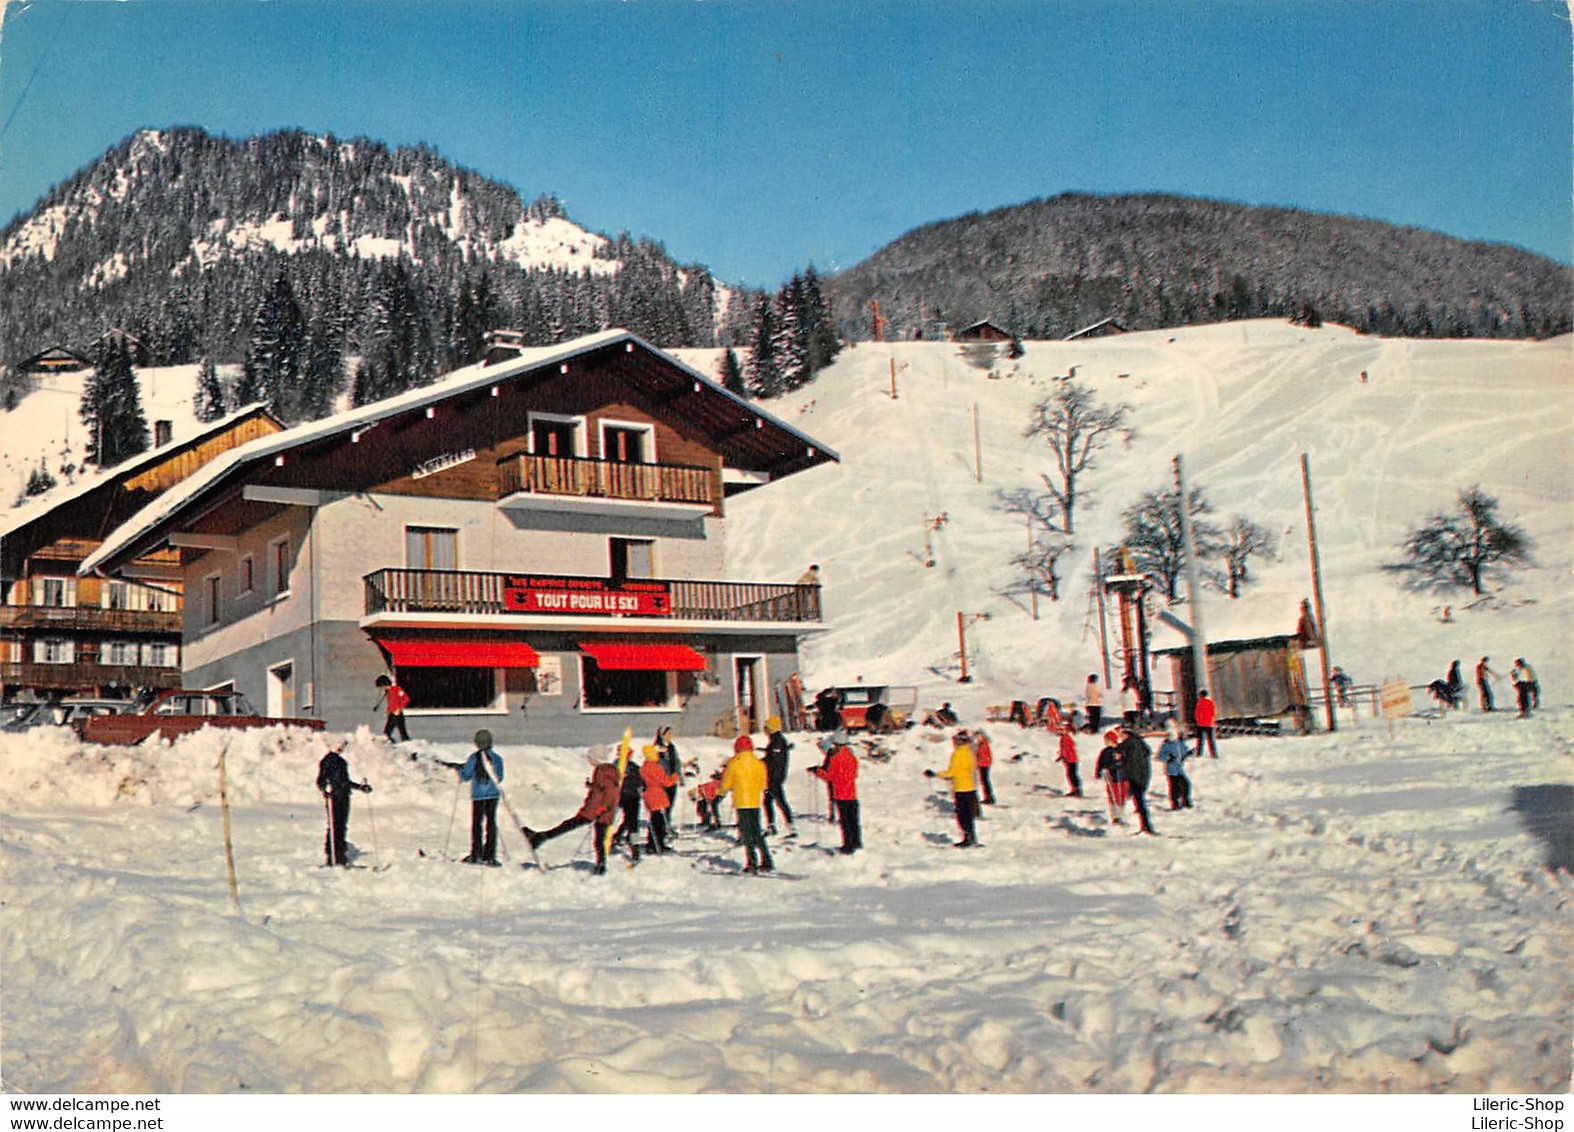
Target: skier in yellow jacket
x,y
745,778
963,773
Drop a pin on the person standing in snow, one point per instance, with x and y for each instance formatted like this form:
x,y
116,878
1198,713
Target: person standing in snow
x,y
1068,758
1112,771
673,765
1484,678
777,750
744,778
1130,705
393,699
986,759
1203,715
629,801
333,780
963,774
706,804
1456,687
658,801
1173,753
840,773
1342,684
1524,678
1137,758
1093,702
601,802
483,770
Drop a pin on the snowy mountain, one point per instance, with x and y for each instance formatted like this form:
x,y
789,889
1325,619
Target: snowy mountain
x,y
1384,909
1047,268
174,235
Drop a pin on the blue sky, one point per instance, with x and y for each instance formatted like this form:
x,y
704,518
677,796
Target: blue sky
x,y
757,136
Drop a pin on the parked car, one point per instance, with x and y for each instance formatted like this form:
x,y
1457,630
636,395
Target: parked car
x,y
181,712
73,713
871,707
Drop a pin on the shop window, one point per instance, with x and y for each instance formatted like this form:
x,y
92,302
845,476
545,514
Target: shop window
x,y
452,689
623,688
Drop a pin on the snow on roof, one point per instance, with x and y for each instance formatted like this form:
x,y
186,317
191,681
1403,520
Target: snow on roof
x,y
459,381
36,508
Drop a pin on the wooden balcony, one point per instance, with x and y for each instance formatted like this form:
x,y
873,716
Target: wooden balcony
x,y
70,677
575,483
486,594
88,619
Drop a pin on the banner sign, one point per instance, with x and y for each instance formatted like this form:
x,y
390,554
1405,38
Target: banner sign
x,y
530,593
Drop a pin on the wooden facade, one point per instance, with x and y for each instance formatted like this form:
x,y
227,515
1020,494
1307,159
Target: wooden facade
x,y
59,631
1258,679
983,331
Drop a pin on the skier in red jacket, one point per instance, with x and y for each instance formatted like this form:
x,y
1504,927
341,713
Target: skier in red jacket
x,y
1068,757
840,772
1203,716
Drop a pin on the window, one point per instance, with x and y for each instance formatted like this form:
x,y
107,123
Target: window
x,y
160,654
281,567
247,574
628,443
623,688
158,601
556,436
453,689
632,558
431,548
52,650
118,652
117,595
57,592
213,585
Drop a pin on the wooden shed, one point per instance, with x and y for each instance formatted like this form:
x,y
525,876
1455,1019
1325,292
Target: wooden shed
x,y
1251,681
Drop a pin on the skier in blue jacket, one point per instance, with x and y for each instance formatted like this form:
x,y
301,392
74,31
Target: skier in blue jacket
x,y
1173,753
483,770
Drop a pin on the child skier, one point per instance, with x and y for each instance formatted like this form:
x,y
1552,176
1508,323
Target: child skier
x,y
601,802
745,778
840,772
706,803
1110,769
333,780
963,773
986,759
1173,753
483,770
395,699
658,801
1068,757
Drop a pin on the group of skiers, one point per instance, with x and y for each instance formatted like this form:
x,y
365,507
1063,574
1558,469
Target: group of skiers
x,y
1527,689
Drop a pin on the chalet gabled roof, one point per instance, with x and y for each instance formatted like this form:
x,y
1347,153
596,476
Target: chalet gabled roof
x,y
26,528
748,438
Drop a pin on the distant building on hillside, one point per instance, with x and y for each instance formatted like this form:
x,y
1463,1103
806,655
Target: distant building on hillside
x,y
541,534
63,635
56,359
983,331
1103,328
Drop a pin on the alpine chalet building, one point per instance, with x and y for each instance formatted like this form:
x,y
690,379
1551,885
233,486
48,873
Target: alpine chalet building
x,y
533,544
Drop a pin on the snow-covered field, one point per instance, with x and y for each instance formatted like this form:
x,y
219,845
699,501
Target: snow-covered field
x,y
1356,912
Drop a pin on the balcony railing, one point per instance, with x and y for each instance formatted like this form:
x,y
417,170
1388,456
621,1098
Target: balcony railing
x,y
30,674
88,619
575,476
460,591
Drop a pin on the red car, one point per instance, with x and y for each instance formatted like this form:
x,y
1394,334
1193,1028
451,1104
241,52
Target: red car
x,y
180,712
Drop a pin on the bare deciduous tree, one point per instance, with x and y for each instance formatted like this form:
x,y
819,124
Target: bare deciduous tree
x,y
1243,540
1457,548
1076,426
1156,540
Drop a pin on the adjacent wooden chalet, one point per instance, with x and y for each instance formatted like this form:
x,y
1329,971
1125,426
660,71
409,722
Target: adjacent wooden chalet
x,y
56,359
540,537
63,635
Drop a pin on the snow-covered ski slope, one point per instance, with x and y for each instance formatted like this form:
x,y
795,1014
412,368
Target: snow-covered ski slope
x,y
1351,912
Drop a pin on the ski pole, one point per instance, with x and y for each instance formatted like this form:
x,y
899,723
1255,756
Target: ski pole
x,y
327,837
371,817
452,813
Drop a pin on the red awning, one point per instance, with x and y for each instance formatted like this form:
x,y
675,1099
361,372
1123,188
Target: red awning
x,y
659,658
459,652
